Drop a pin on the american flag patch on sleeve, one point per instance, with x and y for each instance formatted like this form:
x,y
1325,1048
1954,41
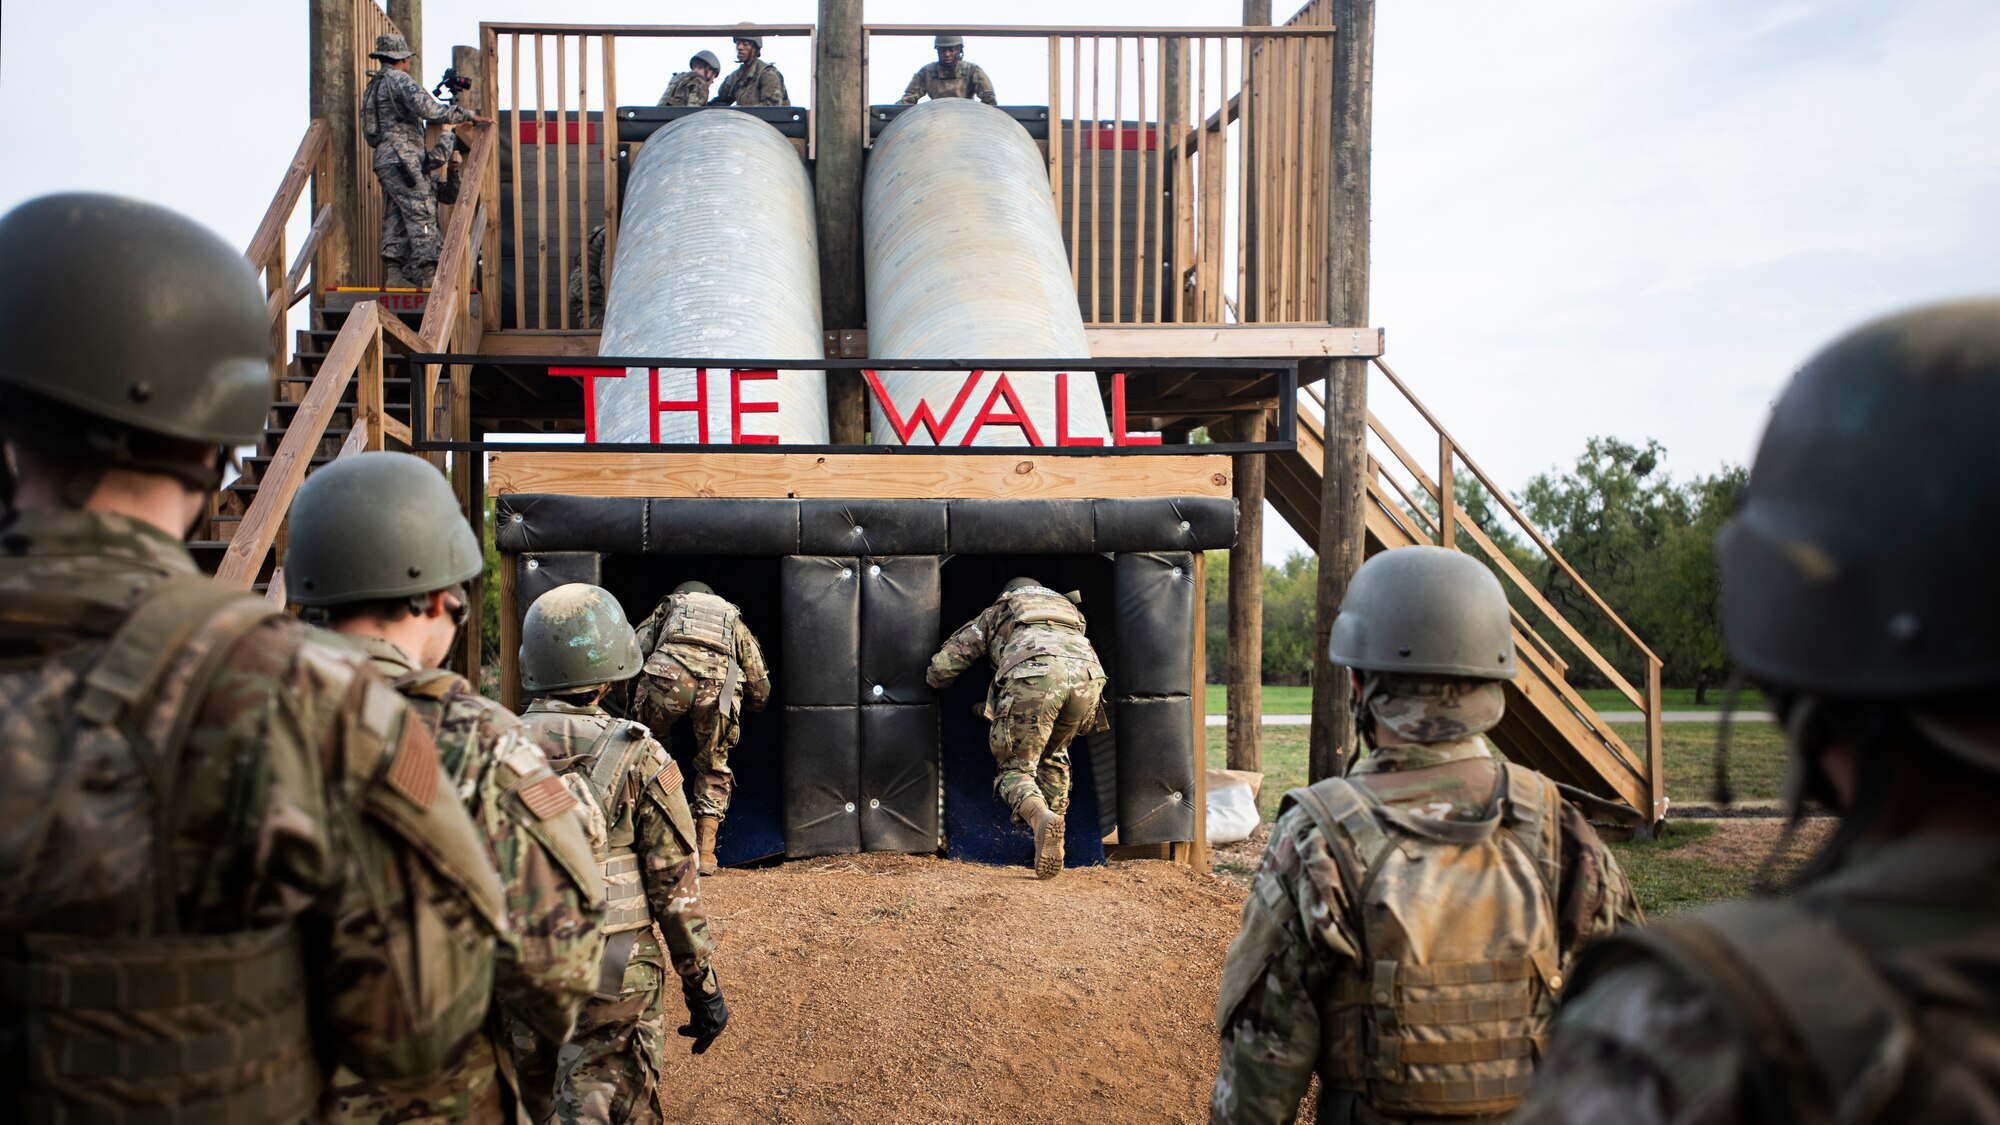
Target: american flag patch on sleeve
x,y
670,777
546,796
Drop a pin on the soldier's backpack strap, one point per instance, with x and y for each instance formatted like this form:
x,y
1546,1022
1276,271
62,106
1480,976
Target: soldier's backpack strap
x,y
441,685
1798,991
1339,806
150,682
1531,813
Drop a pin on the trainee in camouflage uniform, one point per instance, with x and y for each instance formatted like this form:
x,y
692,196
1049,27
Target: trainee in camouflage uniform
x,y
690,86
1410,927
704,663
949,77
1858,593
231,856
754,82
379,549
394,111
575,643
1047,688
591,256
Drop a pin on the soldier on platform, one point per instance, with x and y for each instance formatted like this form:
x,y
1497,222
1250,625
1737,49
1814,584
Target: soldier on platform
x,y
690,86
1047,688
1858,593
1410,926
754,82
575,644
394,111
379,550
949,77
703,663
231,854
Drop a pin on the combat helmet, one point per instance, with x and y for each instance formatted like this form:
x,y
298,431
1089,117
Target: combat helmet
x,y
1019,582
747,33
943,41
390,46
376,526
576,636
128,318
1424,611
1859,562
707,57
692,586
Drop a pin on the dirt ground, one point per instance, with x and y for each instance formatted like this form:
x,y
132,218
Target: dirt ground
x,y
1746,841
912,989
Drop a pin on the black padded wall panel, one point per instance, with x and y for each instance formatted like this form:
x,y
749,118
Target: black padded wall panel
x,y
822,630
538,573
721,526
899,627
1188,523
822,764
1021,527
871,527
568,523
899,779
1155,606
1155,770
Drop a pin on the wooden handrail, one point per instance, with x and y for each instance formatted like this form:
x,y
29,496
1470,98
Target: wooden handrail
x,y
297,175
454,267
287,469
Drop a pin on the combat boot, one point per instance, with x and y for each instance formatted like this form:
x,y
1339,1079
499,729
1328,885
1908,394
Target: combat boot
x,y
1048,828
705,828
392,275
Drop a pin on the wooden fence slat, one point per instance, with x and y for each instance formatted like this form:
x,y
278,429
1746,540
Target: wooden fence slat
x,y
582,175
561,145
1076,162
1162,129
519,174
607,136
1245,111
541,197
1140,257
1117,180
1096,180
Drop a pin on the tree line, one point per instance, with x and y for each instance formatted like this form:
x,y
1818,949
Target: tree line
x,y
1643,541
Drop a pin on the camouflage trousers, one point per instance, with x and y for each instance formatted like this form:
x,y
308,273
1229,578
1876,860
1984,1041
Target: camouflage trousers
x,y
411,236
469,1090
1034,719
662,700
611,1065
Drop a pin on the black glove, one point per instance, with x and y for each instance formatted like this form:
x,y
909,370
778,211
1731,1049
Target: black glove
x,y
707,1016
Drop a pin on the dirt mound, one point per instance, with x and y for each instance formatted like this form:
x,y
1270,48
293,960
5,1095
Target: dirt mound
x,y
893,988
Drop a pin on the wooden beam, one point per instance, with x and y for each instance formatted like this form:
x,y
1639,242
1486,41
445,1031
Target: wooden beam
x,y
510,632
408,16
840,129
1246,601
1152,341
1343,479
332,98
857,475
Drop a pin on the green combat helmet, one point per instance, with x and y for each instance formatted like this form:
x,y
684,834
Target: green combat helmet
x,y
1019,582
124,317
707,57
1418,623
576,636
943,41
377,526
694,587
747,33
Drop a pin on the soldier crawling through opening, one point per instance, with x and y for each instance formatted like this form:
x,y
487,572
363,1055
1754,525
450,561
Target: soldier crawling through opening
x,y
1047,688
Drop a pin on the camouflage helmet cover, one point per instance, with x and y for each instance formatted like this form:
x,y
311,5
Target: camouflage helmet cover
x,y
1424,611
1859,563
943,41
747,33
374,526
134,314
391,46
577,636
706,58
692,586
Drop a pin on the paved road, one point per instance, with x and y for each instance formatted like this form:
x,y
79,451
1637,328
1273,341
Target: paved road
x,y
1607,716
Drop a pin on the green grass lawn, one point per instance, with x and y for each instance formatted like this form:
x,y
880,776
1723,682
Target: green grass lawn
x,y
1284,699
1667,882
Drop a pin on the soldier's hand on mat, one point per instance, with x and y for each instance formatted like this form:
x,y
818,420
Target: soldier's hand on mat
x,y
707,1016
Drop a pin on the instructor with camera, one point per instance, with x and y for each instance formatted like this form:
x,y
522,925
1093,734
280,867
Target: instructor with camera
x,y
394,111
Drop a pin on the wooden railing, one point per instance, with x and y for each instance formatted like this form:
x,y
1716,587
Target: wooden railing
x,y
357,354
1215,238
286,284
1451,521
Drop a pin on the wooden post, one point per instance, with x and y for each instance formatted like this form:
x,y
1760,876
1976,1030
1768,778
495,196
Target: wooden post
x,y
1173,192
332,98
1246,606
1343,478
510,632
408,16
839,124
1256,13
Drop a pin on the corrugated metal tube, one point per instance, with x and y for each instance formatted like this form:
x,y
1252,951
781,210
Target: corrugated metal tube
x,y
965,259
717,256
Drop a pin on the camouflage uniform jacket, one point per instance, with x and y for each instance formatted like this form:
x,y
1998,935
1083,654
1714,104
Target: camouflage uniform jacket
x,y
1301,930
1881,981
1020,645
302,809
755,83
401,109
653,815
707,663
687,88
965,81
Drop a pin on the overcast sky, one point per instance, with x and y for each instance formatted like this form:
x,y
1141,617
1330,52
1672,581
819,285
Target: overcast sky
x,y
1631,218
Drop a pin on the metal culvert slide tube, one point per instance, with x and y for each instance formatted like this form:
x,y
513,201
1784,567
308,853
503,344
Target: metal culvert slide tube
x,y
717,256
965,257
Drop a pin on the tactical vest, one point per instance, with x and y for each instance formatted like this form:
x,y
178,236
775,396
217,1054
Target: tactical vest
x,y
1036,607
162,1027
1904,1031
705,620
605,766
1447,1012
